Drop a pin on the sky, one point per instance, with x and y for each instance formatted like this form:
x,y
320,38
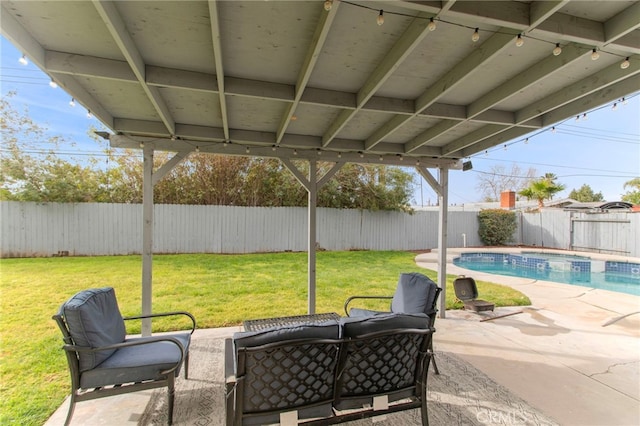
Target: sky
x,y
601,150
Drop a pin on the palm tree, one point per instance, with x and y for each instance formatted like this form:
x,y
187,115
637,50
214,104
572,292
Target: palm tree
x,y
542,189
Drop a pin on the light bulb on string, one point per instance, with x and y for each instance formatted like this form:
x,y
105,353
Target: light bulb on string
x,y
432,25
89,115
328,4
23,60
557,50
553,129
380,19
475,36
625,101
519,40
625,64
577,118
614,107
53,84
584,117
505,146
594,55
72,102
526,141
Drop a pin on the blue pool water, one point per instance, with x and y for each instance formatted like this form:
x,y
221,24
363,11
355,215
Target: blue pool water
x,y
620,276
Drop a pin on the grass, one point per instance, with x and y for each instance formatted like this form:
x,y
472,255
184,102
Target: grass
x,y
220,290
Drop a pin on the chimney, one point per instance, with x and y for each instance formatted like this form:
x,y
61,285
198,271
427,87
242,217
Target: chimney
x,y
508,200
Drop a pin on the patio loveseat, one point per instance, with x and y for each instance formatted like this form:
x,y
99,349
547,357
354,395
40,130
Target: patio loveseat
x,y
328,373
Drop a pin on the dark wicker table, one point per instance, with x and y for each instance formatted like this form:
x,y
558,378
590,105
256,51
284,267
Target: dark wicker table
x,y
262,324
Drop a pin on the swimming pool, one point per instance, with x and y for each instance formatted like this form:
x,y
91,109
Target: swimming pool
x,y
620,276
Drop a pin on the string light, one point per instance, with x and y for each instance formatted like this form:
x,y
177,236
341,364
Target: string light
x,y
625,64
247,150
594,55
53,84
72,102
526,141
361,154
380,19
553,129
328,4
319,152
23,60
89,115
295,152
273,148
224,144
505,146
432,25
339,155
475,36
625,101
557,50
584,117
197,148
614,107
519,40
577,118
141,144
381,158
486,153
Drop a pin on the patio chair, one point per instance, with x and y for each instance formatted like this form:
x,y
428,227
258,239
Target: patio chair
x,y
103,361
415,294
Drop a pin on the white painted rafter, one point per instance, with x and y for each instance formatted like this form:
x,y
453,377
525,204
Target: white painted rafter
x,y
116,26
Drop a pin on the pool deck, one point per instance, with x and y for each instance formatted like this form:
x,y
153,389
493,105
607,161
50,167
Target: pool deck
x,y
574,353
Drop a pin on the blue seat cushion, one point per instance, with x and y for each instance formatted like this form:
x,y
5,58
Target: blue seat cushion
x,y
94,320
137,363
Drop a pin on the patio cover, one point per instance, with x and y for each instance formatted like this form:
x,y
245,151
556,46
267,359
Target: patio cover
x,y
424,84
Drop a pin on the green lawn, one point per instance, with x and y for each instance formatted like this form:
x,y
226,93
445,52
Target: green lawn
x,y
220,290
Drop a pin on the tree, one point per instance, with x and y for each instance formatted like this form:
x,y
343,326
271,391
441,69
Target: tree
x,y
491,184
632,196
585,194
31,173
30,170
543,188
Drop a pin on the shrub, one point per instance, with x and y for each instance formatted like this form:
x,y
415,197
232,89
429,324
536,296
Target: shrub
x,y
496,226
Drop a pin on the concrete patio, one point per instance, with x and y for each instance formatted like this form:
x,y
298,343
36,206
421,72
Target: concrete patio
x,y
573,354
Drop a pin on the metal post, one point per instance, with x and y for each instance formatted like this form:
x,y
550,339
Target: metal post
x,y
147,238
443,201
313,201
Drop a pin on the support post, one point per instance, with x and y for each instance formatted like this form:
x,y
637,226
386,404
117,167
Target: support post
x,y
313,201
443,201
147,238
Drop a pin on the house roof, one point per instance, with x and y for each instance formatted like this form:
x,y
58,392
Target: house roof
x,y
322,80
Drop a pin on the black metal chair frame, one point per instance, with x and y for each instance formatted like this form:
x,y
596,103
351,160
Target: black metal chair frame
x,y
432,316
346,354
168,376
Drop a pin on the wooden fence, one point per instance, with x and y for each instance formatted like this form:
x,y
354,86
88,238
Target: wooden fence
x,y
90,229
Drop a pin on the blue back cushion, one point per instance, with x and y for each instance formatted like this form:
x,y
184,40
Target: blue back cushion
x,y
357,326
94,320
414,295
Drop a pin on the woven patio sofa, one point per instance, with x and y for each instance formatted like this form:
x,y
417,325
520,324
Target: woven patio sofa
x,y
328,373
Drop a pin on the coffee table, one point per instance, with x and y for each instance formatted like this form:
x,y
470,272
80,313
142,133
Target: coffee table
x,y
264,323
